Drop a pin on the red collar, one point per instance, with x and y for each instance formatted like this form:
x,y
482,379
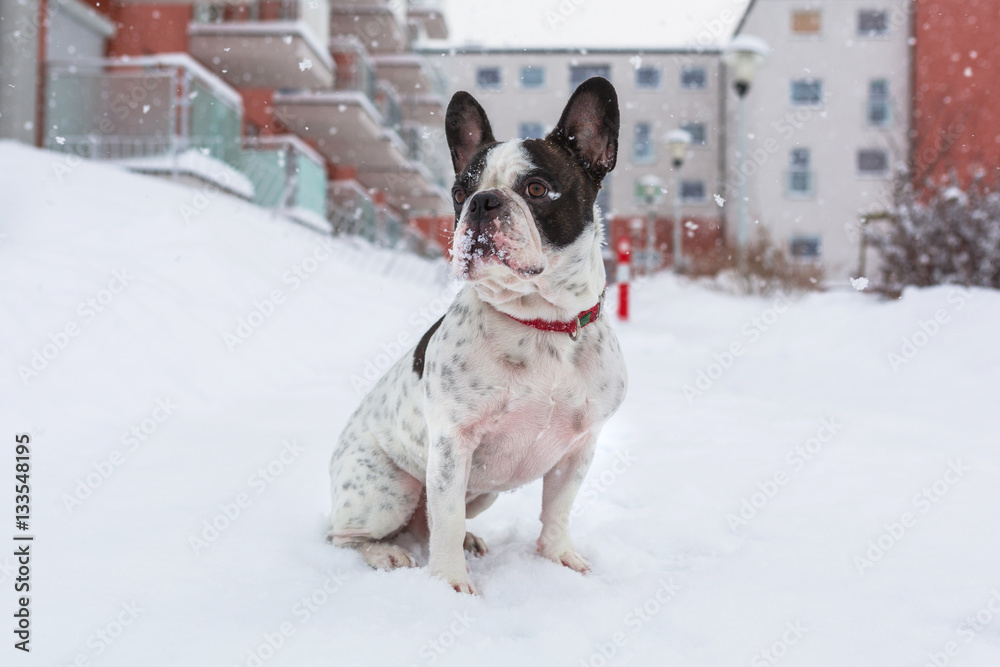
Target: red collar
x,y
574,326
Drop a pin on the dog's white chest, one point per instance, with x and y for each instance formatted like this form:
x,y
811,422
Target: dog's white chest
x,y
527,438
542,411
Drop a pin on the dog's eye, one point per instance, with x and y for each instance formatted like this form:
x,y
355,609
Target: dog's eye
x,y
459,196
536,190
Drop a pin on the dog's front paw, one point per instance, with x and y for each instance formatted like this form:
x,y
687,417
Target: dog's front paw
x,y
457,576
464,586
569,558
461,583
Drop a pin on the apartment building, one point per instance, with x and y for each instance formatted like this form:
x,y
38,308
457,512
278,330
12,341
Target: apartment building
x,y
827,121
336,107
319,109
524,91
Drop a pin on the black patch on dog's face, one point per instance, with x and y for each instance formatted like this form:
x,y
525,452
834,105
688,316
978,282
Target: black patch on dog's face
x,y
567,208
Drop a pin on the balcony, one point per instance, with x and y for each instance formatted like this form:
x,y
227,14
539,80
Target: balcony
x,y
265,43
379,24
424,110
410,73
411,186
164,115
427,19
421,86
353,124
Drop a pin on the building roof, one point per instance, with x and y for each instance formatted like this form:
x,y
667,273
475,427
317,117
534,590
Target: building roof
x,y
632,25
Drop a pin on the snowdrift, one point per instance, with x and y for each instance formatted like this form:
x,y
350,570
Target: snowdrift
x,y
805,480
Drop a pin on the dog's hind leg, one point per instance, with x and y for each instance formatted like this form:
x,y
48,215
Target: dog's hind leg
x,y
419,528
474,507
372,500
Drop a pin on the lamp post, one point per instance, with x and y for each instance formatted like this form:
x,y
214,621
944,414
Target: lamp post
x,y
678,142
742,56
651,189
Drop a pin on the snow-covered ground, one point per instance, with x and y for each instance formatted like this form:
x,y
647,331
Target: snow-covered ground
x,y
825,496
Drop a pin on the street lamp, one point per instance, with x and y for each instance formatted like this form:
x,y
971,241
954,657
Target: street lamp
x,y
651,191
678,142
742,56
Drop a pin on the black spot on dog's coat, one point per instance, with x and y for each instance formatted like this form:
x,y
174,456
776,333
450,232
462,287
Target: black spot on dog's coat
x,y
420,353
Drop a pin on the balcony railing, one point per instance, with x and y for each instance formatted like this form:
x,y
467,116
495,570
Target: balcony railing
x,y
387,103
287,175
315,14
423,147
355,69
165,110
356,72
351,210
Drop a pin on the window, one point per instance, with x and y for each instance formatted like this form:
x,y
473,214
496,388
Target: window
x,y
800,176
806,22
697,132
643,142
873,23
692,191
647,78
804,247
531,131
807,92
532,76
580,73
873,162
489,78
694,78
878,102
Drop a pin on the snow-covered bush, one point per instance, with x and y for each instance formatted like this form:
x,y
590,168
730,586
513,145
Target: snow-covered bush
x,y
769,269
941,234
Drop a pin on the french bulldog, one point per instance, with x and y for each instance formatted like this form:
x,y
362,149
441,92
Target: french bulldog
x,y
518,377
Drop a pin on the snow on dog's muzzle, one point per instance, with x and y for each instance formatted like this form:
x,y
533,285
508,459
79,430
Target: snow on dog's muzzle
x,y
494,238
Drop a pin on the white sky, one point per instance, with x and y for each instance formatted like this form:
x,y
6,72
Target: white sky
x,y
592,23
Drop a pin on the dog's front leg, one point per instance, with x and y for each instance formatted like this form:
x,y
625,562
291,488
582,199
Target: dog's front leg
x,y
448,463
559,489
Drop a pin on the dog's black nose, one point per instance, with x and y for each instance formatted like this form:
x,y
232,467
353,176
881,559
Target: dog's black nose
x,y
483,203
482,211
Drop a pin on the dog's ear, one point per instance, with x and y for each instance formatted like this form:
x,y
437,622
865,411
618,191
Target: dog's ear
x,y
467,128
589,126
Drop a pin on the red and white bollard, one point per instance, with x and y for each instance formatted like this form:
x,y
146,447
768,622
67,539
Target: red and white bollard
x,y
622,275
